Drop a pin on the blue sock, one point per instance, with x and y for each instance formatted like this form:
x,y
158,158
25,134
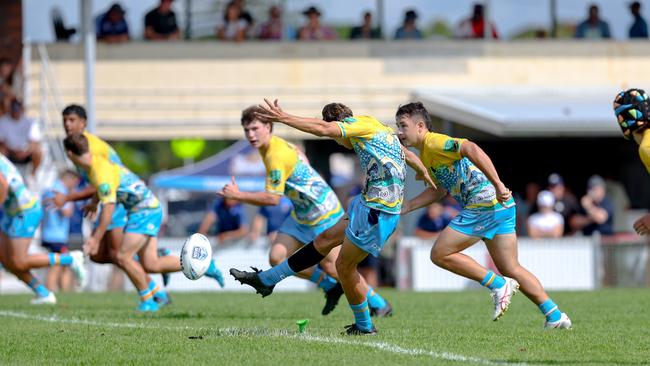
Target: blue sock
x,y
60,259
375,301
147,294
362,315
322,279
38,288
276,274
493,281
212,270
550,310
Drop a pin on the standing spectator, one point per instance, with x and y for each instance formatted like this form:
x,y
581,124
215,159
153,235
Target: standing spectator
x,y
639,28
409,30
273,216
313,30
365,30
432,222
230,218
55,230
526,206
244,15
273,29
545,223
112,27
233,27
593,27
597,213
160,23
566,203
474,26
20,137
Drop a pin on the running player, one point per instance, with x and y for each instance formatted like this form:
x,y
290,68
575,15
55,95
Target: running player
x,y
21,216
462,169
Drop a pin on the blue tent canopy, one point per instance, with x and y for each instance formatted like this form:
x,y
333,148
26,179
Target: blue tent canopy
x,y
239,160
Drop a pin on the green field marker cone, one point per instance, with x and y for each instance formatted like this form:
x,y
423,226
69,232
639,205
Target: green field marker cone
x,y
302,325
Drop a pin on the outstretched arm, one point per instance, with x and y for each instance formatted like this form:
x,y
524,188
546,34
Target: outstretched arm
x,y
416,164
4,189
314,126
427,197
482,161
254,198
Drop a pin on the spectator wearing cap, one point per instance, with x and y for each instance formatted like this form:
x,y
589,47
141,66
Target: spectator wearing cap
x,y
639,28
20,137
365,30
597,212
313,30
230,219
474,26
593,27
233,27
432,222
112,27
409,29
566,203
545,223
160,23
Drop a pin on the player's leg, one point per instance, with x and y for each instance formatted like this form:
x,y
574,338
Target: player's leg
x,y
53,278
131,244
14,251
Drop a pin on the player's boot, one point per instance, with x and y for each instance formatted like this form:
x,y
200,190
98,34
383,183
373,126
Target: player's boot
x,y
163,252
148,306
501,297
332,298
215,273
384,312
50,299
352,329
78,268
162,298
252,279
563,323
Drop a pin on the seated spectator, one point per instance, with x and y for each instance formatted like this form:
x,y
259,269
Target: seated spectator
x,y
230,218
526,205
593,27
597,212
409,30
160,23
233,27
8,80
639,28
244,15
474,26
20,137
432,222
112,27
566,203
313,30
273,216
365,30
545,223
273,29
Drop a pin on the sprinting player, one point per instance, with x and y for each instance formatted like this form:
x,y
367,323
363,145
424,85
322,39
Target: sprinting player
x,y
632,113
55,230
116,184
373,215
21,216
462,169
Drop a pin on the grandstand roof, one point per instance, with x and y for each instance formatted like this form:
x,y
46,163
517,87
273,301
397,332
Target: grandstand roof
x,y
526,112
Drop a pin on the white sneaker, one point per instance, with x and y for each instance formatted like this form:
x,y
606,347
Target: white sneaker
x,y
501,297
78,268
50,299
563,323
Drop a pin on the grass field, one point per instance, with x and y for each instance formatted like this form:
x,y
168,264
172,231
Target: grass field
x,y
611,327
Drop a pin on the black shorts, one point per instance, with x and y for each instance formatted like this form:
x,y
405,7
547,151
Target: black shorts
x,y
55,247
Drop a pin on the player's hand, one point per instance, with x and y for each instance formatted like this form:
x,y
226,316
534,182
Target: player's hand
x,y
587,202
90,211
406,207
503,194
642,225
230,190
55,202
91,246
427,180
272,112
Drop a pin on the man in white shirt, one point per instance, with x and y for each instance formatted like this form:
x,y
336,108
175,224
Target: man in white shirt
x,y
546,223
20,137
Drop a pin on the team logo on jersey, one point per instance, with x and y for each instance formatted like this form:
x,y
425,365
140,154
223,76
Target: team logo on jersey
x,y
275,176
104,189
451,145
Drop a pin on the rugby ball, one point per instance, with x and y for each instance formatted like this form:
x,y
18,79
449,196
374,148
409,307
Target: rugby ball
x,y
196,256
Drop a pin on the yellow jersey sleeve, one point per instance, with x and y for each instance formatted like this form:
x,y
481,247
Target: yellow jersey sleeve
x,y
441,149
105,177
362,126
97,146
644,149
279,160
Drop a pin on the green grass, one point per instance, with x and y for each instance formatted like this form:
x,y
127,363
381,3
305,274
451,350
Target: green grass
x,y
611,327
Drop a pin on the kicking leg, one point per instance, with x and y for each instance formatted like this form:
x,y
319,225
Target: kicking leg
x,y
355,288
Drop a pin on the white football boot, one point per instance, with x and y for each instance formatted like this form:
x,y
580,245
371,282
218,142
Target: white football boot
x,y
563,323
78,268
501,297
50,299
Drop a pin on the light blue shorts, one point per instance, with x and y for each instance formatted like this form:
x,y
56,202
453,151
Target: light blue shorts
x,y
369,229
117,221
305,233
486,224
145,221
22,225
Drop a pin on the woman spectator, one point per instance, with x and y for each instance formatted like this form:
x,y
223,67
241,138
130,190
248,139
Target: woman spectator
x,y
233,27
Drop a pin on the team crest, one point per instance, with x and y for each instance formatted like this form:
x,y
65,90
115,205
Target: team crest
x,y
451,145
104,189
275,176
199,253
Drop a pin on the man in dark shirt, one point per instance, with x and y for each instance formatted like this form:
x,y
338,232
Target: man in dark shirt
x,y
111,26
160,23
365,30
639,28
597,213
432,222
230,218
566,203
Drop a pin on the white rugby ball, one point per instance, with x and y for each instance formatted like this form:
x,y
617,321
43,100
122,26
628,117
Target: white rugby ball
x,y
196,256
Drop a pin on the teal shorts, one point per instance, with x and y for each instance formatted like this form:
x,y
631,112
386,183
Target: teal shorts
x,y
305,233
369,229
117,221
486,224
23,224
145,221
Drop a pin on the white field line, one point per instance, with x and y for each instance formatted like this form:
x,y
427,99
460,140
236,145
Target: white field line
x,y
260,332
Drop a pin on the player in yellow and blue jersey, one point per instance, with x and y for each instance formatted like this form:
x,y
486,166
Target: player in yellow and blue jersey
x,y
22,214
372,216
462,169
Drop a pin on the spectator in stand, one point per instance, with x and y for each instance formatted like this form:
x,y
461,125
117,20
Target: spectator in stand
x,y
526,206
273,29
409,29
20,138
160,23
230,218
9,83
112,27
233,27
474,26
593,27
545,223
313,30
273,216
566,203
639,28
597,212
365,30
432,222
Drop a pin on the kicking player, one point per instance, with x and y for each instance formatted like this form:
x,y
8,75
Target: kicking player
x,y
631,109
372,216
22,214
462,169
